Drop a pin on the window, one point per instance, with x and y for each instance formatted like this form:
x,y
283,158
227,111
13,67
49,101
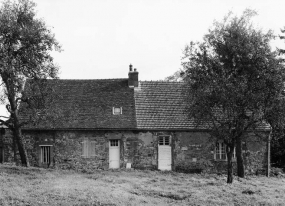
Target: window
x,y
88,148
164,140
45,154
221,152
114,143
117,110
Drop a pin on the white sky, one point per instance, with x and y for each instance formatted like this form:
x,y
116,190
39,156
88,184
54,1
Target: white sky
x,y
100,38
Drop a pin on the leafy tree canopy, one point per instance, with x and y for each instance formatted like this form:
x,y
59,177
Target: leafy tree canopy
x,y
235,80
25,45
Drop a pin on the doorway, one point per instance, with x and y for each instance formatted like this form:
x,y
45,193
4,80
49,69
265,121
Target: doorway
x,y
164,153
114,154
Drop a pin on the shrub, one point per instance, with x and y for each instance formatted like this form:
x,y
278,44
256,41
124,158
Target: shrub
x,y
190,168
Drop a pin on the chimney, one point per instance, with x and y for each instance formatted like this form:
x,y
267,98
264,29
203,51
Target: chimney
x,y
133,80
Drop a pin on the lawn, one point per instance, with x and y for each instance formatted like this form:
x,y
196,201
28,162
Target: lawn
x,y
35,186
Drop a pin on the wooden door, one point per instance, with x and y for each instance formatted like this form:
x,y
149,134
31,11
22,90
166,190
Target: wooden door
x,y
114,154
164,153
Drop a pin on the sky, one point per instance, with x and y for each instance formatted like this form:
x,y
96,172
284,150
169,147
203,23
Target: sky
x,y
100,38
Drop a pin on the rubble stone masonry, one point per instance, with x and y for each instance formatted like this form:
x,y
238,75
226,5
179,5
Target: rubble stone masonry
x,y
191,151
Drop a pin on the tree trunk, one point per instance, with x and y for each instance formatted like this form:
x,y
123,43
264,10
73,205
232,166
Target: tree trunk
x,y
19,140
14,148
240,164
17,134
230,166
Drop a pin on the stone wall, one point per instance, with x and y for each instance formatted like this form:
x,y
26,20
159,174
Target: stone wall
x,y
255,152
7,147
66,150
191,151
195,152
141,150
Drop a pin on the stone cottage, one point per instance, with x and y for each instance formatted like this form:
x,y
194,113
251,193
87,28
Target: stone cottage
x,y
119,123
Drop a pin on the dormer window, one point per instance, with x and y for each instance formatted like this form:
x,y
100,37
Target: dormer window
x,y
117,110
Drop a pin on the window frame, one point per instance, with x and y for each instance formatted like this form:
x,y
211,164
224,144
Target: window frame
x,y
220,152
88,145
165,140
117,113
45,159
114,143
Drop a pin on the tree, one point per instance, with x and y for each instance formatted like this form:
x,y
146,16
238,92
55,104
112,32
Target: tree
x,y
277,118
282,51
25,45
278,149
233,79
176,77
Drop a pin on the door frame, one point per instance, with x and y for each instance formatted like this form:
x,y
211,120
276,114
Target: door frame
x,y
119,148
165,142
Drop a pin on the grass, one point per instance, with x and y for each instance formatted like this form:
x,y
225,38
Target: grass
x,y
36,186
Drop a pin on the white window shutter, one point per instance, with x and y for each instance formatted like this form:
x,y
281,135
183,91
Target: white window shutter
x,y
86,148
82,146
92,148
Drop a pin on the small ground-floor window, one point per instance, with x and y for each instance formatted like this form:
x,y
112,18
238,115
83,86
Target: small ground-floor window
x,y
45,154
221,151
88,148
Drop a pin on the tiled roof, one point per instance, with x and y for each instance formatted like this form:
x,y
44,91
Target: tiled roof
x,y
88,104
161,105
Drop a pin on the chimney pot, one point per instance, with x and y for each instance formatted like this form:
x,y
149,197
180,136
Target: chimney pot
x,y
135,70
131,67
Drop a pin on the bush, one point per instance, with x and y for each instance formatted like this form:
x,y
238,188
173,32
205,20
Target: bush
x,y
276,171
190,168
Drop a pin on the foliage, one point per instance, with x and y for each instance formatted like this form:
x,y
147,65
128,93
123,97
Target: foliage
x,y
278,137
190,168
282,51
234,81
176,77
278,149
25,45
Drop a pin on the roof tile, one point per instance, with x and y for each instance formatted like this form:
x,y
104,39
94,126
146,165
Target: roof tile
x,y
87,104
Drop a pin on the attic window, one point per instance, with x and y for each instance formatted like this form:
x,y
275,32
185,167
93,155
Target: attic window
x,y
117,110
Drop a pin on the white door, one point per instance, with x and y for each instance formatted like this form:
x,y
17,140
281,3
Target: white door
x,y
164,153
114,153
